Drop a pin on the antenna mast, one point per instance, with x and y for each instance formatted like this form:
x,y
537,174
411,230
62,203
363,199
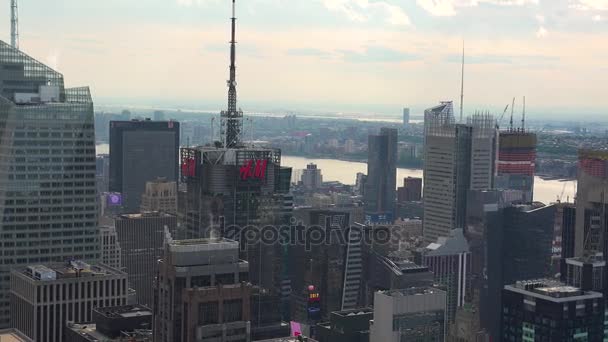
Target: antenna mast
x,y
462,83
511,121
14,25
232,118
523,117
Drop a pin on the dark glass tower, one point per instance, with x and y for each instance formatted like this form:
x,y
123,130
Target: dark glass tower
x,y
380,192
140,152
48,209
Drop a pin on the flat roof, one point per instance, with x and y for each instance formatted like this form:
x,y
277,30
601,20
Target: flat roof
x,y
551,290
13,335
124,311
146,214
68,270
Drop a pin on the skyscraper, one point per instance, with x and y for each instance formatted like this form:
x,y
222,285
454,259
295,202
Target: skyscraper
x,y
141,239
516,162
141,151
47,169
547,310
381,188
311,177
202,292
410,191
231,186
406,117
457,158
322,266
450,261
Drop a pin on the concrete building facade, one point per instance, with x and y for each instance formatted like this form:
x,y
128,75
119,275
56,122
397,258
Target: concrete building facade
x,y
202,292
160,195
414,314
457,158
45,298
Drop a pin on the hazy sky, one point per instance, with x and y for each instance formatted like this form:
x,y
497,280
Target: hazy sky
x,y
326,53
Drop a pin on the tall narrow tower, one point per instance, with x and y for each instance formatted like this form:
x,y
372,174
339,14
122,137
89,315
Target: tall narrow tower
x,y
462,85
232,118
14,25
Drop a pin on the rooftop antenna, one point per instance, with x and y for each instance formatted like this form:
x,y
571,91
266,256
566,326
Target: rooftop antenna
x,y
232,118
523,117
511,121
462,83
14,25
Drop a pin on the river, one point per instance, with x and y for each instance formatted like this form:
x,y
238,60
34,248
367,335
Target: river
x,y
545,191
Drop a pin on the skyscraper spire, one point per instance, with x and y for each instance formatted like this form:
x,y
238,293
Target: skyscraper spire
x,y
14,25
232,118
462,84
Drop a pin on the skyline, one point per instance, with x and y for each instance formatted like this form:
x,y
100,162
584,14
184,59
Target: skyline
x,y
361,55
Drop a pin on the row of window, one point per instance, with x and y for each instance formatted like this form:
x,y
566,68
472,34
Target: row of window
x,y
47,226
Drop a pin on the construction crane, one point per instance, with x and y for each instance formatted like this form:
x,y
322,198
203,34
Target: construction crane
x,y
501,116
523,117
511,121
559,197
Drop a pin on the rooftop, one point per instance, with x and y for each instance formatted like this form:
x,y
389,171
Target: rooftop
x,y
551,290
354,312
89,331
145,215
13,335
413,291
455,244
124,311
71,269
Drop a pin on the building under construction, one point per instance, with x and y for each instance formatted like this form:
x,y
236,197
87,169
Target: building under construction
x,y
516,162
457,158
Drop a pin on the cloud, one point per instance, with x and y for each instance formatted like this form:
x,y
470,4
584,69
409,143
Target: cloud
x,y
519,60
364,10
188,3
445,8
378,54
308,52
540,18
597,18
541,32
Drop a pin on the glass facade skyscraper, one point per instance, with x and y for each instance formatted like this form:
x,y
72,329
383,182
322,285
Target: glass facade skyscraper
x,y
48,202
381,187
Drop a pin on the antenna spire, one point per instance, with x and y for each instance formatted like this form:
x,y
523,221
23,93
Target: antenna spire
x,y
232,118
14,25
523,117
462,83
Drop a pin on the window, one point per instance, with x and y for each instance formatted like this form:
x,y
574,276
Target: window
x,y
233,310
208,313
